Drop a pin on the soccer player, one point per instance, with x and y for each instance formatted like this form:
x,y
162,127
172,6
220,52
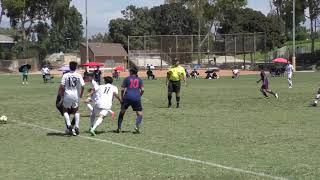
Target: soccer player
x,y
25,72
316,99
265,84
103,102
71,90
131,91
173,81
97,75
289,70
45,71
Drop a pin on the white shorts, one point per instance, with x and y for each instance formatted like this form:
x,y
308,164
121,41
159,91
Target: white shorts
x,y
289,75
70,102
102,112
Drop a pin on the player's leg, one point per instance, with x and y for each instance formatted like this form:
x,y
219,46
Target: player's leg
x,y
290,80
177,90
137,107
170,90
316,99
103,113
263,91
67,120
92,117
124,106
77,121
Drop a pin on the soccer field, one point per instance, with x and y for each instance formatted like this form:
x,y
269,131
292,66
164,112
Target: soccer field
x,y
224,129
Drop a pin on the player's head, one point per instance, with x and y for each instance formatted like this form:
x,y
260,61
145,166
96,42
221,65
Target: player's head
x,y
73,65
108,80
133,71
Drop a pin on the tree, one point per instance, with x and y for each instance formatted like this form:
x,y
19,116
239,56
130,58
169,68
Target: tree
x,y
101,38
314,12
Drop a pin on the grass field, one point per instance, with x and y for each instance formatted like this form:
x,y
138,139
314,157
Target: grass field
x,y
221,122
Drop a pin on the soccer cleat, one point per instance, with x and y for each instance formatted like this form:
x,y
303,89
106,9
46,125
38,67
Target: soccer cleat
x,y
73,132
276,95
69,130
113,115
118,131
136,130
290,87
92,132
77,131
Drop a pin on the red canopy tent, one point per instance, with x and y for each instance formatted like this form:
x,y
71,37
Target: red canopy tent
x,y
92,64
119,68
280,60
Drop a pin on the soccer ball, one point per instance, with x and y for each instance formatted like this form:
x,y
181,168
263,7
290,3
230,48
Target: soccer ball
x,y
4,119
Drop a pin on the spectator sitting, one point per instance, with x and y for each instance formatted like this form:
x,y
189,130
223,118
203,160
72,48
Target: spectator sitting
x,y
150,75
194,74
116,75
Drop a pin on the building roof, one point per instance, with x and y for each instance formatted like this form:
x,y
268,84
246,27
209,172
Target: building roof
x,y
6,39
107,49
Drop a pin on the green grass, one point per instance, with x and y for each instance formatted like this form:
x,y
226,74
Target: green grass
x,y
221,121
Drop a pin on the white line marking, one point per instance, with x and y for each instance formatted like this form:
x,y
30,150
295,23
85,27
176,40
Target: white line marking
x,y
161,154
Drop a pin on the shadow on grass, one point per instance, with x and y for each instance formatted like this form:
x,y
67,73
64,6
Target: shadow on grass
x,y
57,134
115,131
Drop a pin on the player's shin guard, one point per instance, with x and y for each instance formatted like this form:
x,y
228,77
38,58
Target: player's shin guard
x,y
77,119
120,118
92,118
67,119
178,99
138,121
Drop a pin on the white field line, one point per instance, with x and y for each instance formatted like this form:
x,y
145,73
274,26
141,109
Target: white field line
x,y
160,154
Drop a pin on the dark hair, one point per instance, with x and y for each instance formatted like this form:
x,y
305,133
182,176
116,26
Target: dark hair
x,y
261,67
108,80
133,71
73,65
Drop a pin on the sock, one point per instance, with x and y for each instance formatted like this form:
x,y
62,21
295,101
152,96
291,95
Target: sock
x,y
98,122
290,82
77,118
90,106
178,99
264,93
169,98
67,119
120,118
92,117
271,92
138,121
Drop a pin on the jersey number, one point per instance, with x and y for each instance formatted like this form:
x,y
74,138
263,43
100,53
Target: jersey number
x,y
73,81
106,90
134,83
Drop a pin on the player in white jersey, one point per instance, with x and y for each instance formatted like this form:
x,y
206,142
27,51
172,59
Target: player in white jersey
x,y
71,90
103,103
289,70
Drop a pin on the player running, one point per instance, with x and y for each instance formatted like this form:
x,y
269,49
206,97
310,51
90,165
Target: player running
x,y
173,81
71,90
103,102
265,84
289,70
131,91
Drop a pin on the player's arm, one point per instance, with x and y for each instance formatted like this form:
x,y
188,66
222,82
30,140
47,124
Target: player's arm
x,y
260,80
61,90
95,84
184,77
141,90
168,78
117,96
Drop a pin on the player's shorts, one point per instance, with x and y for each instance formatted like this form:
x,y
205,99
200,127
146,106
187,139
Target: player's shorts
x,y
174,86
100,111
136,105
289,75
70,102
265,85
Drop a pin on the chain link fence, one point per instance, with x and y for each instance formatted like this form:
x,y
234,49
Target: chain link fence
x,y
204,50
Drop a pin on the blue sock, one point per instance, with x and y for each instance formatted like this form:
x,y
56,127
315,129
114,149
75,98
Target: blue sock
x,y
138,121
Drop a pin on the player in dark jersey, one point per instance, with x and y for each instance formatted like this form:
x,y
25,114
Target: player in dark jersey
x,y
131,91
265,84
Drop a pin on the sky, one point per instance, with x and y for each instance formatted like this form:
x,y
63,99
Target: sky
x,y
100,12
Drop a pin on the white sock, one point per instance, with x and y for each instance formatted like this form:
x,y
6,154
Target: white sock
x,y
89,106
77,119
92,118
67,118
98,122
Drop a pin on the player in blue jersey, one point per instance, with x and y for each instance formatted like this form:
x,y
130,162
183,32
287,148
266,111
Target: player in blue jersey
x,y
131,91
265,84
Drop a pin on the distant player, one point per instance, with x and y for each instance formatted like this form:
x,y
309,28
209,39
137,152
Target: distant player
x,y
289,70
131,91
173,81
71,90
103,102
265,84
316,99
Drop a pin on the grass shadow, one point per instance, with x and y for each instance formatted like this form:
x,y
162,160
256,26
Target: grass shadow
x,y
57,134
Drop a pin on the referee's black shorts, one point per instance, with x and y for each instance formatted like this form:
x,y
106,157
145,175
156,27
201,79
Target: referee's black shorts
x,y
174,86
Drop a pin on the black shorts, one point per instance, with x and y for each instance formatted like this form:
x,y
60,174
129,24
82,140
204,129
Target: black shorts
x,y
136,105
174,86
